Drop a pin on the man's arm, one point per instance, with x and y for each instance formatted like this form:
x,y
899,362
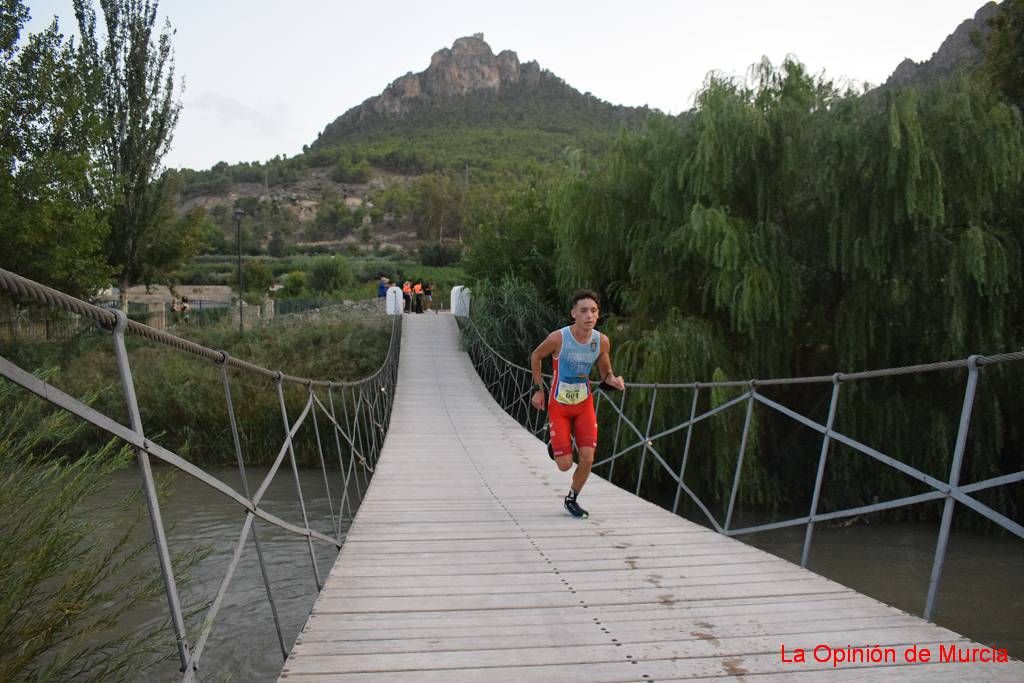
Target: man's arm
x,y
549,346
604,366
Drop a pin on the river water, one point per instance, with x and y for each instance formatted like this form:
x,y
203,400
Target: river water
x,y
982,592
243,643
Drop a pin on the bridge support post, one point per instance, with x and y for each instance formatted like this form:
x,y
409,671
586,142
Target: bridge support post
x,y
615,441
647,439
355,440
323,468
954,481
245,488
686,447
298,484
822,457
739,456
344,504
124,372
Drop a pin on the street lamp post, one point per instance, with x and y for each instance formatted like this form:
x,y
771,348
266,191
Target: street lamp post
x,y
238,213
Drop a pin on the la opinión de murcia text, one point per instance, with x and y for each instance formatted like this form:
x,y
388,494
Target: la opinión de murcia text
x,y
877,654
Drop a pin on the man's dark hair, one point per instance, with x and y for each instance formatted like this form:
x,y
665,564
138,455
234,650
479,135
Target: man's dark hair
x,y
585,294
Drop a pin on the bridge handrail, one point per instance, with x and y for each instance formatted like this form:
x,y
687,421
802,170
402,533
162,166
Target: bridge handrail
x,y
511,385
363,430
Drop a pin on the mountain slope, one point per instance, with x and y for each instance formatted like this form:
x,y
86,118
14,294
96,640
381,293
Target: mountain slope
x,y
468,84
958,51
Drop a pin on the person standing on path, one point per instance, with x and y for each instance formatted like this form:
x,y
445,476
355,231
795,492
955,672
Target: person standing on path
x,y
382,290
574,350
407,295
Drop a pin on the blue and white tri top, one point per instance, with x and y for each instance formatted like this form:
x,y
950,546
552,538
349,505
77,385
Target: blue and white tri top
x,y
571,383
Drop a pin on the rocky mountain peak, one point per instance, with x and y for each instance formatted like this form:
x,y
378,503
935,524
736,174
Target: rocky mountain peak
x,y
957,51
468,84
469,65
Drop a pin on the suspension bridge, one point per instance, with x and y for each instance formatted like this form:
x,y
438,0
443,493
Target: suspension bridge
x,y
460,563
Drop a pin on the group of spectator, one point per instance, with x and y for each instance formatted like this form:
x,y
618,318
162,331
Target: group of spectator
x,y
418,295
180,309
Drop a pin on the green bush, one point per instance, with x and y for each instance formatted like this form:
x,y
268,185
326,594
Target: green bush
x,y
329,274
440,254
258,276
182,398
294,283
345,171
513,316
66,564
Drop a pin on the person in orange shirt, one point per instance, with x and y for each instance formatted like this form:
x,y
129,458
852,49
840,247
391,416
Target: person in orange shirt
x,y
417,292
407,295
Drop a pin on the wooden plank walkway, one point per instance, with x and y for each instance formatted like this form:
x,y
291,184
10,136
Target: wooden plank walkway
x,y
462,566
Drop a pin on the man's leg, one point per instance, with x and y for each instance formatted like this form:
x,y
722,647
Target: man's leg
x,y
586,462
585,429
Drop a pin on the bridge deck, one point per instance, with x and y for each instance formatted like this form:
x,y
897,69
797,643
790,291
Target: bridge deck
x,y
463,566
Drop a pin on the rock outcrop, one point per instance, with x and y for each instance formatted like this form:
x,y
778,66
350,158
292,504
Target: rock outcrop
x,y
468,82
468,66
959,50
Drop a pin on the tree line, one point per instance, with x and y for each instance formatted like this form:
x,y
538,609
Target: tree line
x,y
86,123
788,227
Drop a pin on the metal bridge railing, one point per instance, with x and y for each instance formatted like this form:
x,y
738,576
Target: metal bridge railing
x,y
511,386
360,423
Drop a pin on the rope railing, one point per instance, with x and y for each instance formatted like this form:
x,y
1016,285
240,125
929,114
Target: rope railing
x,y
358,427
511,386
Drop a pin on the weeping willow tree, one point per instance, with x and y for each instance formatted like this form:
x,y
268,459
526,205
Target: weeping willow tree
x,y
785,228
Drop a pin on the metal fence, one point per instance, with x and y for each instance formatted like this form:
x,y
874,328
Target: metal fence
x,y
356,413
511,386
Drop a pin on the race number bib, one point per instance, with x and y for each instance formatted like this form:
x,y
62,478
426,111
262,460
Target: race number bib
x,y
571,394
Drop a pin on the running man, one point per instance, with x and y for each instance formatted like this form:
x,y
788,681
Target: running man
x,y
571,404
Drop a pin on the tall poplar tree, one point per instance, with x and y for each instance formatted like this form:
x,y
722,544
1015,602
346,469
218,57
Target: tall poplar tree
x,y
138,103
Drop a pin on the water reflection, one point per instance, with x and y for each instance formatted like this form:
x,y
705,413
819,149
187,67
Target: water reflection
x,y
982,589
243,643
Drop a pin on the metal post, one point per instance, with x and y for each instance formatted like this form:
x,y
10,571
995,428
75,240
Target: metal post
x,y
647,440
519,401
826,439
739,457
365,427
371,433
298,484
323,467
357,439
378,420
615,441
238,213
954,481
245,488
149,486
686,448
344,504
353,437
353,447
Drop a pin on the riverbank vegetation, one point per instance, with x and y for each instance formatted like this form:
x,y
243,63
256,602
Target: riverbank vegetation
x,y
181,397
70,564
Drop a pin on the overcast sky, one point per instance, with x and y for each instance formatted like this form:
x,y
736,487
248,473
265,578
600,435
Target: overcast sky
x,y
263,77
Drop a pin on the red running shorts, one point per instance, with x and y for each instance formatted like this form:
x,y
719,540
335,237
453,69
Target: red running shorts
x,y
567,420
